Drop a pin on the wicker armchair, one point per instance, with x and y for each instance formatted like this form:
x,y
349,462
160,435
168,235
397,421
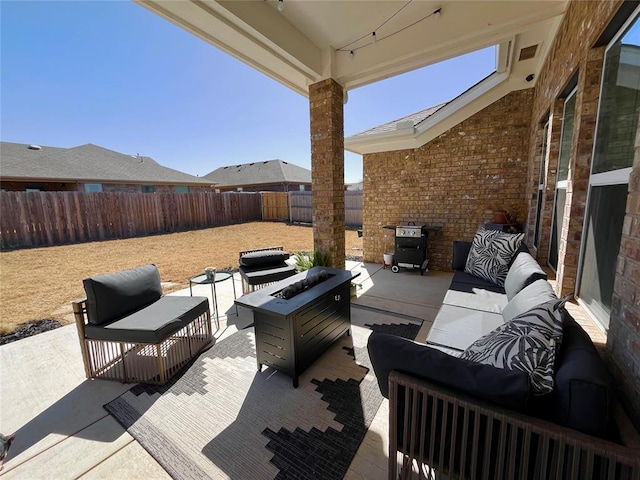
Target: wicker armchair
x,y
460,437
130,332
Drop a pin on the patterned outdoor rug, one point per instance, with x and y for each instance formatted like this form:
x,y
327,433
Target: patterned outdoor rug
x,y
223,419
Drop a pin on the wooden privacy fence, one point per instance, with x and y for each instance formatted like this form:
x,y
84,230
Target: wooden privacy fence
x,y
301,210
275,206
36,219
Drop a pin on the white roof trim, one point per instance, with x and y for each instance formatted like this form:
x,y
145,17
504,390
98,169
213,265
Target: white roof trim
x,y
462,107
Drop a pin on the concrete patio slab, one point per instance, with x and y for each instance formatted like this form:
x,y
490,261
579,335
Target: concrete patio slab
x,y
75,455
132,461
45,396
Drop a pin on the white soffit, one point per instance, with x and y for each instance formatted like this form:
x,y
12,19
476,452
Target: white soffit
x,y
510,75
299,46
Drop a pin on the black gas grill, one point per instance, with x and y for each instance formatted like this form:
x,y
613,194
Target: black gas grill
x,y
411,246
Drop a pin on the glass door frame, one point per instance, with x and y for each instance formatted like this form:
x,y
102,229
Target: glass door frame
x,y
612,177
560,184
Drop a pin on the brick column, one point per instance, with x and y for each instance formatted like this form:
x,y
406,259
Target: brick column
x,y
327,168
623,340
579,169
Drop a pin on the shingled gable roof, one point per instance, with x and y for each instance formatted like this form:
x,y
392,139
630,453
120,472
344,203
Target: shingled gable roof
x,y
260,173
86,163
414,118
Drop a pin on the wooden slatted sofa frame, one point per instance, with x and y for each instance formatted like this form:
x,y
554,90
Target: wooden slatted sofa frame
x,y
472,439
267,270
130,332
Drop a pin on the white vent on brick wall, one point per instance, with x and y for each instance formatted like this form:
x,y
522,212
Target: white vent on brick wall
x,y
527,53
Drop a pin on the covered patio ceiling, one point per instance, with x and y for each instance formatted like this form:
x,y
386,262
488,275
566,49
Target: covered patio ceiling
x,y
306,41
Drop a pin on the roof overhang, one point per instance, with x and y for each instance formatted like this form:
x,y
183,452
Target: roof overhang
x,y
512,73
303,44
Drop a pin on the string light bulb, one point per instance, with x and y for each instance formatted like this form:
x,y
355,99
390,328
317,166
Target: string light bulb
x,y
280,5
358,43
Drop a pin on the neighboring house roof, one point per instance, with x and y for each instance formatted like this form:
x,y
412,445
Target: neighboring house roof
x,y
88,163
260,173
408,121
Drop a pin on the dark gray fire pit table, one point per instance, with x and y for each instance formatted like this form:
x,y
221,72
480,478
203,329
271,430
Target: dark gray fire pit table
x,y
292,333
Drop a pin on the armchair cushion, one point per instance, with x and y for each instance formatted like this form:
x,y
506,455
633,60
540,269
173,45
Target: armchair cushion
x,y
115,295
263,258
266,275
509,388
152,324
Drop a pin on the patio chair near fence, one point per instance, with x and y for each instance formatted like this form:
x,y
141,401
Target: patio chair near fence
x,y
263,266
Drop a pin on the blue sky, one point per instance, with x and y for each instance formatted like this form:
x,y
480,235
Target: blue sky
x,y
113,74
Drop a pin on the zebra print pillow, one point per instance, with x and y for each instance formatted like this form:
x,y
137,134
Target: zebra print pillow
x,y
530,343
491,253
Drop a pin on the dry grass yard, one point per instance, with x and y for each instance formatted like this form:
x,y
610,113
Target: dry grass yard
x,y
40,283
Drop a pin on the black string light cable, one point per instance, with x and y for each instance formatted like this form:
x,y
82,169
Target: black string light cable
x,y
376,38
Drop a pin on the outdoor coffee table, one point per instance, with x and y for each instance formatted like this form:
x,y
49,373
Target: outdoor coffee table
x,y
202,279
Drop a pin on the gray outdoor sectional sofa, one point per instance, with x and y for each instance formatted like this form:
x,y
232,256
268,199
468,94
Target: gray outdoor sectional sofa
x,y
480,397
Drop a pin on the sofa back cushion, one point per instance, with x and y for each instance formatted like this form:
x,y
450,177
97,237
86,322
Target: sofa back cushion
x,y
523,272
460,253
112,296
264,258
584,392
537,293
491,254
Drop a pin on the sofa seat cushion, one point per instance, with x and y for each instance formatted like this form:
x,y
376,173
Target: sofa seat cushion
x,y
263,258
529,343
503,387
458,327
152,324
115,295
476,299
584,394
537,293
267,274
523,272
491,254
465,282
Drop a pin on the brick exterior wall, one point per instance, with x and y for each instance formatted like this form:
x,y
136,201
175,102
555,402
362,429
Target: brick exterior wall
x,y
327,165
623,341
586,112
571,51
455,181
